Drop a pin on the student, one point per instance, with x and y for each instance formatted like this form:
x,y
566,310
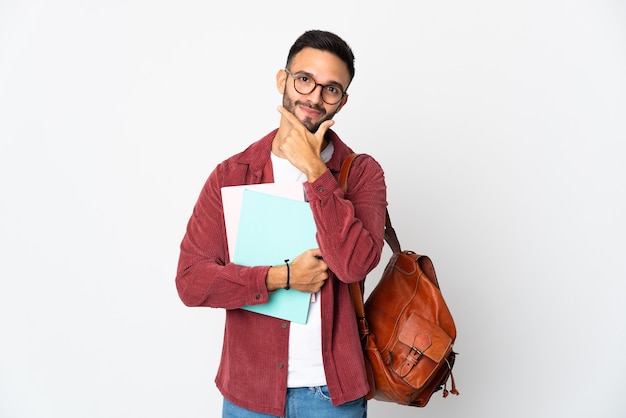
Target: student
x,y
271,367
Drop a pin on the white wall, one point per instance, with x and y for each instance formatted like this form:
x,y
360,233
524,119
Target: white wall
x,y
500,126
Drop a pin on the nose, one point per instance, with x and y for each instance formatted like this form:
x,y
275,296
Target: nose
x,y
316,95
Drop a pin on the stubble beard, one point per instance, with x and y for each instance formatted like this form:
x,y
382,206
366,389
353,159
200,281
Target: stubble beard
x,y
290,105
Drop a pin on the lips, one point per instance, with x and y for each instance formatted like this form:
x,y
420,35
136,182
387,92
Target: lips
x,y
310,111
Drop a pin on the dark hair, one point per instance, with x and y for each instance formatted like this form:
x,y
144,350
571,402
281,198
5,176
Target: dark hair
x,y
325,41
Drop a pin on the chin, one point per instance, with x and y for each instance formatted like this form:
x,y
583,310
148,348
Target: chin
x,y
312,128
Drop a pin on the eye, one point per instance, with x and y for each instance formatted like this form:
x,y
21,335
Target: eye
x,y
304,79
335,91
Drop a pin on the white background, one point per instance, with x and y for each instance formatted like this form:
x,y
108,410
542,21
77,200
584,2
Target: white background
x,y
500,126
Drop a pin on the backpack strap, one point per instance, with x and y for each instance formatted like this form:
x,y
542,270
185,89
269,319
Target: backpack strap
x,y
357,289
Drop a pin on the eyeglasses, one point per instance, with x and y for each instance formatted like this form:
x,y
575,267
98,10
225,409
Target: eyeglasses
x,y
331,93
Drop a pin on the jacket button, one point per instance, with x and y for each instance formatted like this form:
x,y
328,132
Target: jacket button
x,y
281,365
320,189
257,297
283,325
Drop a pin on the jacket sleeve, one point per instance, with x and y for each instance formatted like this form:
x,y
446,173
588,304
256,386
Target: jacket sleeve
x,y
205,276
350,227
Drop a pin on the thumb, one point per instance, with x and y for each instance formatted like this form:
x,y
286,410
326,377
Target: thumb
x,y
321,131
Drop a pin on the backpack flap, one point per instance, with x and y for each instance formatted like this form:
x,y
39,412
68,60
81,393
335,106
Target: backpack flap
x,y
421,346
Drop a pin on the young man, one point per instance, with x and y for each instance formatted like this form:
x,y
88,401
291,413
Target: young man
x,y
271,367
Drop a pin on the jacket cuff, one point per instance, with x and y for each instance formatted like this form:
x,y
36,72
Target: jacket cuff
x,y
260,294
322,188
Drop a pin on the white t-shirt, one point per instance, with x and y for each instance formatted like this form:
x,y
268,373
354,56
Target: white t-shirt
x,y
306,367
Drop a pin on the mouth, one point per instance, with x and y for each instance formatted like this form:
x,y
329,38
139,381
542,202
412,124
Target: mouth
x,y
309,111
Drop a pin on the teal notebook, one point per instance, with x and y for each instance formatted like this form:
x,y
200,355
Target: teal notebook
x,y
272,229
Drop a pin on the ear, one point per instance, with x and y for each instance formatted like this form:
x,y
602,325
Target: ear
x,y
342,103
281,80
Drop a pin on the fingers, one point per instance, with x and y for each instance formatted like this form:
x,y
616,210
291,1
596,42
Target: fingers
x,y
311,259
321,131
290,120
289,117
309,271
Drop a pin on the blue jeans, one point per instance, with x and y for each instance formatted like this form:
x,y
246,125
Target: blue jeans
x,y
305,403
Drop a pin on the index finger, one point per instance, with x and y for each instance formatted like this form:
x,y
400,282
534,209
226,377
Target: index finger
x,y
290,117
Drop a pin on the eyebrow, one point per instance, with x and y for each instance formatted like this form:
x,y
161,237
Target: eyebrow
x,y
331,83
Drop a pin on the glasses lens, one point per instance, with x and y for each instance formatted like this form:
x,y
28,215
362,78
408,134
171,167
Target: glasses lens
x,y
331,94
303,84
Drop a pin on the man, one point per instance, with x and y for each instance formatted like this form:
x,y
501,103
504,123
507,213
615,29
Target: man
x,y
271,367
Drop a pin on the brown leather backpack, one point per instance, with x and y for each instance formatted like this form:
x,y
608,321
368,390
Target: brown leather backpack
x,y
407,330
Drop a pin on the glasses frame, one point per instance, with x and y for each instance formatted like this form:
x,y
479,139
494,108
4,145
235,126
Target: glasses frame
x,y
315,84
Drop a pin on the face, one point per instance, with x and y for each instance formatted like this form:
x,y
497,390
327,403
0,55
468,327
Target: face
x,y
323,67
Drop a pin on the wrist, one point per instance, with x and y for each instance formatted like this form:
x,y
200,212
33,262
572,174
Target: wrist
x,y
276,278
315,173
